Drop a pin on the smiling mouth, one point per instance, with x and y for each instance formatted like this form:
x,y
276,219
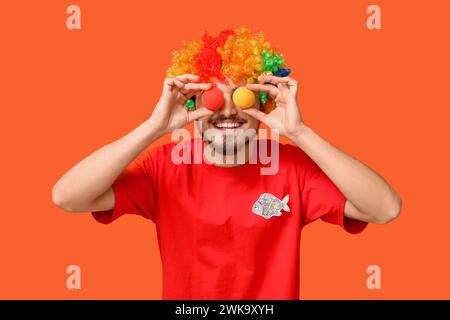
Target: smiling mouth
x,y
224,124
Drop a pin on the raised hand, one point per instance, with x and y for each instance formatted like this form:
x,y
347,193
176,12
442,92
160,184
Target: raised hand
x,y
170,112
286,116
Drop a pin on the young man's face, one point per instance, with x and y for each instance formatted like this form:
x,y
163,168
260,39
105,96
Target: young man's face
x,y
229,121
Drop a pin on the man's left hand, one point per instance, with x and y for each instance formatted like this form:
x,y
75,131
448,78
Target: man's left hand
x,y
286,116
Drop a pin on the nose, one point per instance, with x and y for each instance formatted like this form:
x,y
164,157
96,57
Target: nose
x,y
228,109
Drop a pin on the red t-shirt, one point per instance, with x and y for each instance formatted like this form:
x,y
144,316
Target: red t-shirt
x,y
212,244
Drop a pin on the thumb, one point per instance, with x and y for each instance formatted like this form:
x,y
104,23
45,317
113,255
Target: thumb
x,y
258,115
198,113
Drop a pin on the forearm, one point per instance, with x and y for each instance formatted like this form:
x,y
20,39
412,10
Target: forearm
x,y
362,186
95,174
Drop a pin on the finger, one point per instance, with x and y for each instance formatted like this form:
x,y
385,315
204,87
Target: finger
x,y
169,83
269,89
258,115
196,86
188,90
199,113
188,77
278,80
192,89
179,84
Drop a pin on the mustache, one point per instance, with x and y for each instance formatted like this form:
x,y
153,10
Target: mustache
x,y
225,118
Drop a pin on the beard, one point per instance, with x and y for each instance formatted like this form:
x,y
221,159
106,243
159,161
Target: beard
x,y
228,143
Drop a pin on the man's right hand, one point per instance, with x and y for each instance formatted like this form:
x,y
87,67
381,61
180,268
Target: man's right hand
x,y
170,112
88,185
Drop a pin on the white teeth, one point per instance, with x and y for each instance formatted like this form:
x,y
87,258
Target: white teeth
x,y
228,125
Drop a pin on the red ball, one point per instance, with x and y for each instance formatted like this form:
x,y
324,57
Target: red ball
x,y
213,99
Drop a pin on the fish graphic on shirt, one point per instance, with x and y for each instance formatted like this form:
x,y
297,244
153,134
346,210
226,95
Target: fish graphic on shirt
x,y
268,205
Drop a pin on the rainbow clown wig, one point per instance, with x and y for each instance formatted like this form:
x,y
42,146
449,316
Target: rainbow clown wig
x,y
237,54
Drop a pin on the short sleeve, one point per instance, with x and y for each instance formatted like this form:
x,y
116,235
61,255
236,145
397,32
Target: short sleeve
x,y
320,197
134,191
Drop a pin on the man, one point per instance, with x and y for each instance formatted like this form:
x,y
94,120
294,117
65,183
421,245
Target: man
x,y
225,230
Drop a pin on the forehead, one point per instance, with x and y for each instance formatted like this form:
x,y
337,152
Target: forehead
x,y
227,85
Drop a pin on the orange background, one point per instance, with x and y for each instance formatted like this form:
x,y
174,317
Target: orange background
x,y
378,95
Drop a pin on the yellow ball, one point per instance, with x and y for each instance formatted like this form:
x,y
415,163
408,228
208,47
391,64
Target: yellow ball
x,y
243,98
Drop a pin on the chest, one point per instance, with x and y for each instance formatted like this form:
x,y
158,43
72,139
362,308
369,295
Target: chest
x,y
199,201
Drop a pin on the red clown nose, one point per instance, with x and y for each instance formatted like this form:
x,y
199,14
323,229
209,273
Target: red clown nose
x,y
213,98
